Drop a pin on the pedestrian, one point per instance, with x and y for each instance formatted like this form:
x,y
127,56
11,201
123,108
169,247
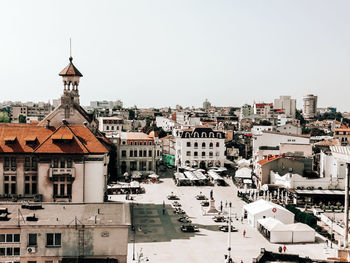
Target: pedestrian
x,y
326,242
221,206
163,210
242,219
226,203
284,248
280,249
244,233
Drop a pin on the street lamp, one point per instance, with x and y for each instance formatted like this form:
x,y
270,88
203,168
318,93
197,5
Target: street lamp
x,y
133,229
229,233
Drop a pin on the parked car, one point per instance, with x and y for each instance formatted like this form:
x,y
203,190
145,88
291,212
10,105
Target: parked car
x,y
179,211
201,197
204,203
176,204
225,228
184,219
173,197
219,219
189,228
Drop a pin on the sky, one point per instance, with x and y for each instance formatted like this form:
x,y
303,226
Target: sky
x,y
157,53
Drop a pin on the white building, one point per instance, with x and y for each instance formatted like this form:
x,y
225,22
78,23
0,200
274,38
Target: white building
x,y
258,129
289,128
286,104
270,141
165,123
263,209
310,106
137,151
200,146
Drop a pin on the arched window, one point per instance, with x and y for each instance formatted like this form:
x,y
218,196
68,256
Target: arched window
x,y
150,143
203,145
217,144
204,135
210,154
145,143
211,135
211,145
196,145
219,135
187,135
136,143
131,143
196,135
203,154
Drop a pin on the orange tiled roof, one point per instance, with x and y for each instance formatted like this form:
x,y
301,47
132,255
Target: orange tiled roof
x,y
70,70
342,129
39,139
269,159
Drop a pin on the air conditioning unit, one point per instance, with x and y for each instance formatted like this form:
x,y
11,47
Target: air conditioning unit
x,y
31,250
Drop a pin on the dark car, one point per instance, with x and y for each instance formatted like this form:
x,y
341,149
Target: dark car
x,y
184,219
225,228
201,197
176,204
173,197
219,219
189,228
204,203
179,211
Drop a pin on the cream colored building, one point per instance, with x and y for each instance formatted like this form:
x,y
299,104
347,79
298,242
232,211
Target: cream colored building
x,y
64,232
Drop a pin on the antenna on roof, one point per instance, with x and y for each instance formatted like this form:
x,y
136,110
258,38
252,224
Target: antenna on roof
x,y
70,49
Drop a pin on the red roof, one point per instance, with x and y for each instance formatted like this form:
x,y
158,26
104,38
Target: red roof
x,y
269,159
70,70
39,139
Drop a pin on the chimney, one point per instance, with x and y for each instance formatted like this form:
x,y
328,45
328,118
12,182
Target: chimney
x,y
64,121
47,124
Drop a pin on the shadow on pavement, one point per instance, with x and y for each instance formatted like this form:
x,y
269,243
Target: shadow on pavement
x,y
152,226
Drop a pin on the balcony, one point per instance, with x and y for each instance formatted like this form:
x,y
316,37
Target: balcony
x,y
61,171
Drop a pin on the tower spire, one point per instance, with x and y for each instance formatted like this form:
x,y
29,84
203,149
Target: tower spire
x,y
70,50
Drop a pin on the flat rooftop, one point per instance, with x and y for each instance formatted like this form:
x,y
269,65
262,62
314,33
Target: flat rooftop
x,y
56,214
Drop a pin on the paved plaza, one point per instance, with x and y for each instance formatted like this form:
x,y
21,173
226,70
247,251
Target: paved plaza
x,y
160,239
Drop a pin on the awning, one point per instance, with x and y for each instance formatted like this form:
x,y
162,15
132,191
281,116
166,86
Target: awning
x,y
247,181
155,176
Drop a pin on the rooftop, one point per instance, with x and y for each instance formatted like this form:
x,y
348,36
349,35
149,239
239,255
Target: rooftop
x,y
64,214
134,136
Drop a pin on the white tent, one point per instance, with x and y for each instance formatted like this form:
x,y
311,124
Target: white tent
x,y
264,209
244,172
277,232
243,163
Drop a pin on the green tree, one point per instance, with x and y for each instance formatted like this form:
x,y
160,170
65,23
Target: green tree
x,y
131,114
4,117
22,119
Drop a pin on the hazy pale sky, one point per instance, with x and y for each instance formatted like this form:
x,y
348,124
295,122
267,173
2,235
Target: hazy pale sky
x,y
163,53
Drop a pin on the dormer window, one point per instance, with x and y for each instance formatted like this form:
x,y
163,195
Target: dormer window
x,y
204,135
62,138
196,135
211,135
10,140
30,140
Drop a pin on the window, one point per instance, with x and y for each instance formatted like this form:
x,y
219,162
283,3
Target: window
x,y
188,153
195,154
69,163
210,154
204,135
10,184
10,238
123,153
211,145
140,153
112,128
131,153
53,240
196,145
34,164
62,186
150,153
133,166
203,154
62,164
13,164
150,165
27,163
217,144
135,153
30,184
150,143
6,163
203,145
107,127
196,134
2,238
211,135
32,239
143,166
144,153
188,144
55,163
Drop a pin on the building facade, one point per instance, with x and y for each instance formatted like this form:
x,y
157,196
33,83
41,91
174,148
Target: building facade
x,y
64,233
287,105
137,151
199,146
310,106
343,135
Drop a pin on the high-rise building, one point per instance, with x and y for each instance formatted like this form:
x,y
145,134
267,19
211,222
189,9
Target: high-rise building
x,y
206,104
310,106
286,104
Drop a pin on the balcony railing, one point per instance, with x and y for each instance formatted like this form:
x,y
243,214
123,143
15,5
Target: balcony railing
x,y
62,171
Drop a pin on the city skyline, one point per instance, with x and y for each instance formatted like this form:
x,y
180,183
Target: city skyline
x,y
161,54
